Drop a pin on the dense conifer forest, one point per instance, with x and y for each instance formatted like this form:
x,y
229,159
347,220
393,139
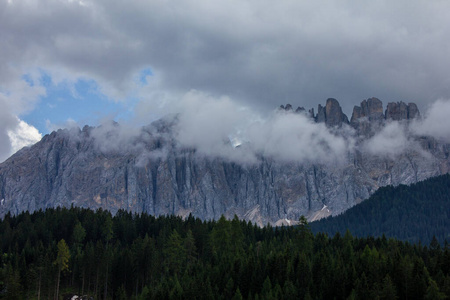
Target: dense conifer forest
x,y
414,213
129,256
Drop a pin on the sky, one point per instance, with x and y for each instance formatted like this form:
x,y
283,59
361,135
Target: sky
x,y
74,62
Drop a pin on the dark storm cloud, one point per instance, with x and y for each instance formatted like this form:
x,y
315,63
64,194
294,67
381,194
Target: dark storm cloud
x,y
258,53
261,52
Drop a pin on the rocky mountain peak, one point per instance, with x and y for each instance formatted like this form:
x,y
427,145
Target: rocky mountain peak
x,y
401,111
331,114
299,110
367,117
369,114
396,111
372,109
413,111
334,114
95,167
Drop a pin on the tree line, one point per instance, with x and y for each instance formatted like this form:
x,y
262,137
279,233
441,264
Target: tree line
x,y
49,253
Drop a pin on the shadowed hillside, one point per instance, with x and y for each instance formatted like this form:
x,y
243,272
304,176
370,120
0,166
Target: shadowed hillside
x,y
412,213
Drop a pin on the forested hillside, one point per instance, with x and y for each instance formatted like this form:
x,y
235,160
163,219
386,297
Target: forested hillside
x,y
130,256
412,213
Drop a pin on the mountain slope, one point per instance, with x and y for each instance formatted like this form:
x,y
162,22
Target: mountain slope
x,y
149,171
412,213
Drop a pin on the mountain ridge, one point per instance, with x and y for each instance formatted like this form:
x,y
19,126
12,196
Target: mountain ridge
x,y
101,166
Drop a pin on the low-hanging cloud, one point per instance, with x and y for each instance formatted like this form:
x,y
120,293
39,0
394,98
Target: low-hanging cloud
x,y
218,127
142,144
208,125
113,137
222,128
295,137
436,121
390,141
397,137
259,53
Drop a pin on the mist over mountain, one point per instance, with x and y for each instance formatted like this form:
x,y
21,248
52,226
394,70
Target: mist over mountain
x,y
216,158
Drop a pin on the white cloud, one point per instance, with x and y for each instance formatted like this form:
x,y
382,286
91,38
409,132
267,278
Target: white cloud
x,y
294,137
17,98
23,135
111,136
69,124
259,53
211,126
436,121
391,140
395,138
207,124
7,123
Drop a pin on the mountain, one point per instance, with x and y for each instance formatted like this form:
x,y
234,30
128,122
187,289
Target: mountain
x,y
412,213
115,167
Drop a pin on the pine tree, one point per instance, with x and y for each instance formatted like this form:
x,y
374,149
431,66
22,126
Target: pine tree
x,y
13,286
237,295
388,290
190,248
62,261
433,292
174,252
107,234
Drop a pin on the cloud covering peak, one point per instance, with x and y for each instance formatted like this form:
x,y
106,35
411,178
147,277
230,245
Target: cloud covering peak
x,y
258,53
222,128
436,122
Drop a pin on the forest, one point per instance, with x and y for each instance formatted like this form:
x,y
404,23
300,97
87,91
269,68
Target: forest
x,y
51,253
414,213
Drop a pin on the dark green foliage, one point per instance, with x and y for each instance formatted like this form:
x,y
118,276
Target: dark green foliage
x,y
132,256
412,213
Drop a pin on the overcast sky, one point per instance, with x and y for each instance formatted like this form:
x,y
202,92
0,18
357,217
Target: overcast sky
x,y
69,61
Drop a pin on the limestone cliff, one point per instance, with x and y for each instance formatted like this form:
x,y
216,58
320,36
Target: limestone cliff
x,y
152,174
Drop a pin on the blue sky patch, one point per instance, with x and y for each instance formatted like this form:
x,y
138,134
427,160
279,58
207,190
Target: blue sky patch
x,y
81,101
28,79
143,75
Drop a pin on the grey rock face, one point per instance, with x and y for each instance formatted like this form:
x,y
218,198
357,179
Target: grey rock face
x,y
151,174
396,111
413,111
401,111
367,118
288,107
371,108
300,110
334,114
321,114
357,113
331,114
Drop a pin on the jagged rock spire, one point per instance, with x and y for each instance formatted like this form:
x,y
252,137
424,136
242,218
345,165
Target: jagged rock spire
x,y
366,118
401,111
371,108
331,114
